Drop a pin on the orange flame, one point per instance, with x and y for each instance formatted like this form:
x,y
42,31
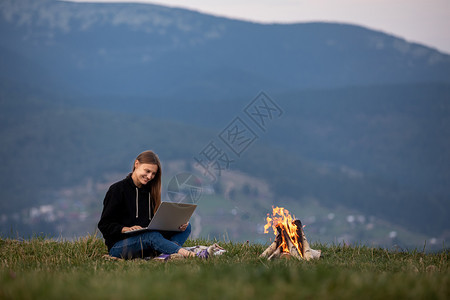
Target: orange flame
x,y
282,219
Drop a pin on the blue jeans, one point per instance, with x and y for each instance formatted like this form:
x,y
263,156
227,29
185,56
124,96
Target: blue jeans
x,y
150,243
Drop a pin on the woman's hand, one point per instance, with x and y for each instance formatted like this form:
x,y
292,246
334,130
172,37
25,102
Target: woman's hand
x,y
126,229
184,226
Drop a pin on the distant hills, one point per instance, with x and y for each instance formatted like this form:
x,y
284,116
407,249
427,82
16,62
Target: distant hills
x,y
149,50
84,87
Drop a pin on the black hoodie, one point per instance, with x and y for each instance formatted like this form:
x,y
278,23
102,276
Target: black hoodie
x,y
125,205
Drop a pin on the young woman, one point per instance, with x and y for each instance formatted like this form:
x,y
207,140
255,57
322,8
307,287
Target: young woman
x,y
130,204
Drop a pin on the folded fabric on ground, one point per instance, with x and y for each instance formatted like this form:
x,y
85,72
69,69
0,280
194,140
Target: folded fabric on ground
x,y
214,249
199,250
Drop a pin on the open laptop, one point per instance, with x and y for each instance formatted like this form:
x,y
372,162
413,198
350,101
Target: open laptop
x,y
169,217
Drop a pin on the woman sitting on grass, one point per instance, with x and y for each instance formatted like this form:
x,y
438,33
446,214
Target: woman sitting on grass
x,y
129,205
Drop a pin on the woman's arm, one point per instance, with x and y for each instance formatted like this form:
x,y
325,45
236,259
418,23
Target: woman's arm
x,y
109,225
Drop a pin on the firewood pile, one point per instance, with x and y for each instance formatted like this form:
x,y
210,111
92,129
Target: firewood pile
x,y
290,239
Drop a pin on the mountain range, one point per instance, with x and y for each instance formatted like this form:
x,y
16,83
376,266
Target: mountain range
x,y
155,51
365,123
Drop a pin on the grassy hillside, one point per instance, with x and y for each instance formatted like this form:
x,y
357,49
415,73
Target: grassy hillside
x,y
46,269
352,153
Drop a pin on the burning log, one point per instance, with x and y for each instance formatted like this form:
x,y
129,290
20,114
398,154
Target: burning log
x,y
290,238
272,248
293,244
308,253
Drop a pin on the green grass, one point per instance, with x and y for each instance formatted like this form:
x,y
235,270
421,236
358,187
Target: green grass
x,y
47,269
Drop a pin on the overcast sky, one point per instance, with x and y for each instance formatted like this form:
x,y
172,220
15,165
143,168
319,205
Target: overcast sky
x,y
423,21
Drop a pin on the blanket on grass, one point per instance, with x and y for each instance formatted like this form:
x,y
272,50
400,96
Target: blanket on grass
x,y
212,250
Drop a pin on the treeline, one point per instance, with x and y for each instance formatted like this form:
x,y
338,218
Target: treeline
x,y
295,177
347,151
47,147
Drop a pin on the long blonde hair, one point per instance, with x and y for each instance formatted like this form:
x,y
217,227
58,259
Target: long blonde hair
x,y
149,157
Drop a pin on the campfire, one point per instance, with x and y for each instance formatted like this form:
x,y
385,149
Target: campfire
x,y
290,239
